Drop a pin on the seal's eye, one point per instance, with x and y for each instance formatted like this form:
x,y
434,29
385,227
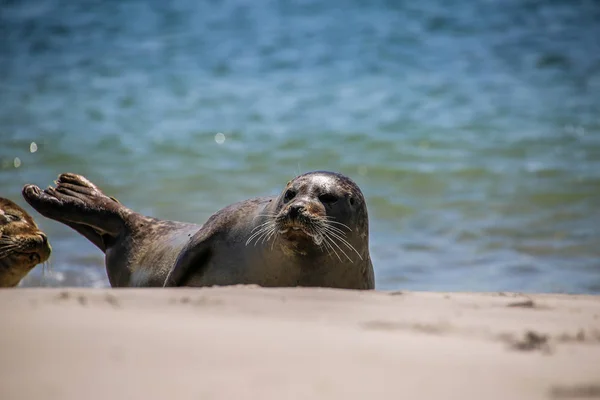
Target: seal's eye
x,y
328,198
290,194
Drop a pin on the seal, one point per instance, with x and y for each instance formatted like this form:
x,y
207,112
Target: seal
x,y
22,244
315,233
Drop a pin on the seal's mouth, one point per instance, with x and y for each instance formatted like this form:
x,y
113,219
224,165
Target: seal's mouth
x,y
297,223
294,230
286,225
298,227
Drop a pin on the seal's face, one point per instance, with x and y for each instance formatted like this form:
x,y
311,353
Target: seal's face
x,y
22,244
318,211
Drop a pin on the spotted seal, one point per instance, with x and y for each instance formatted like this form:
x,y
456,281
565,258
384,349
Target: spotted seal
x,y
315,233
22,244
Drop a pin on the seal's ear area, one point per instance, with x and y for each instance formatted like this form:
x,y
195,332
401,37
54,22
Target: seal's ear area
x,y
191,260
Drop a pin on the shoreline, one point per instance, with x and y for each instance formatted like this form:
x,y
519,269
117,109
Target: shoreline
x,y
250,342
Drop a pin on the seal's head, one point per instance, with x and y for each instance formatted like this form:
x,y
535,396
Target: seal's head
x,y
319,212
22,244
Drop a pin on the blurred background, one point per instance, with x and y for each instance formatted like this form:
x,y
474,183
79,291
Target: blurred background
x,y
472,127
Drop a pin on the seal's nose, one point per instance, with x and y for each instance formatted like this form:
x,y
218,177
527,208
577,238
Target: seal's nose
x,y
295,210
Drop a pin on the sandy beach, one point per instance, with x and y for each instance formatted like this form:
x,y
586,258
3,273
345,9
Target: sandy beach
x,y
248,342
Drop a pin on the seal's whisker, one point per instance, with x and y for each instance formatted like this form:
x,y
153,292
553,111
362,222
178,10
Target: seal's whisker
x,y
314,231
272,234
47,266
325,245
329,234
8,250
46,272
6,254
331,221
335,234
331,243
263,230
344,241
336,229
336,238
269,235
326,227
259,236
261,225
329,248
255,234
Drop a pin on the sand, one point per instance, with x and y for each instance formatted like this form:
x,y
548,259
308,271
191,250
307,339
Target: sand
x,y
248,342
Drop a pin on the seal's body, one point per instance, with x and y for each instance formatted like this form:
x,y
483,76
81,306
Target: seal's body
x,y
314,234
22,244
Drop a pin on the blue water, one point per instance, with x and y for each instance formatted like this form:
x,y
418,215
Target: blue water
x,y
473,129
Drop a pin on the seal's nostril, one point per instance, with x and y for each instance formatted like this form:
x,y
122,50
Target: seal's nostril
x,y
295,210
44,238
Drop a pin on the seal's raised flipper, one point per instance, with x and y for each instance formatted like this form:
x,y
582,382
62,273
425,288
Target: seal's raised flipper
x,y
78,203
